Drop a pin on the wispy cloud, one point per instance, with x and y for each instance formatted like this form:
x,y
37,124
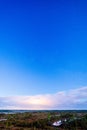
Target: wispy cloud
x,y
71,99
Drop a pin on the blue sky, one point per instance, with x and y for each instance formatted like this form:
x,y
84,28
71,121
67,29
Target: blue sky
x,y
43,49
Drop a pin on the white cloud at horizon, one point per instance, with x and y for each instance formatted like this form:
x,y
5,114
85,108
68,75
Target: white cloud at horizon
x,y
71,99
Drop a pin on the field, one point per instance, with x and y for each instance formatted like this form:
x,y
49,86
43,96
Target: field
x,y
44,120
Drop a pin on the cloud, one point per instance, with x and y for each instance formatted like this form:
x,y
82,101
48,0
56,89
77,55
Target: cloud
x,y
71,99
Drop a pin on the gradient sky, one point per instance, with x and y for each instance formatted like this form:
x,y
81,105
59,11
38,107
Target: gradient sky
x,y
43,51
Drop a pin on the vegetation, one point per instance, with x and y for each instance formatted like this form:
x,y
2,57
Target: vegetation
x,y
43,121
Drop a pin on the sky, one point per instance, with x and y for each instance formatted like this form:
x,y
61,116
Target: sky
x,y
43,54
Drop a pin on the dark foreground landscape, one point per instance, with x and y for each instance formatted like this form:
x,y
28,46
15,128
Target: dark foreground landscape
x,y
43,120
